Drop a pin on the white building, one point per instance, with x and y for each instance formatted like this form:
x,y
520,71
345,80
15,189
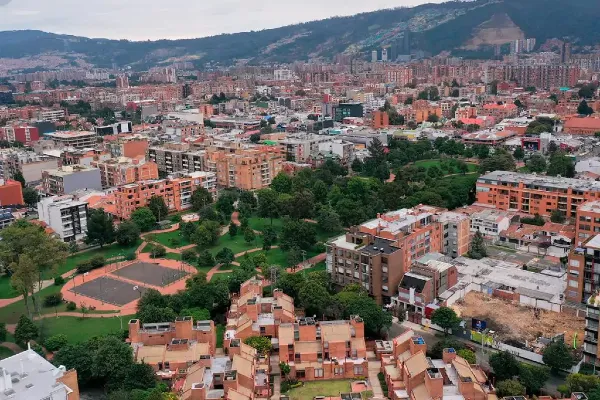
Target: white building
x,y
29,376
283,75
66,215
588,165
490,222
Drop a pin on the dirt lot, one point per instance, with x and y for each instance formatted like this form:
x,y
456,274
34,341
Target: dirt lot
x,y
512,321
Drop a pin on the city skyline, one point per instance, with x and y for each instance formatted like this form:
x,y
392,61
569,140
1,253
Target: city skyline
x,y
114,19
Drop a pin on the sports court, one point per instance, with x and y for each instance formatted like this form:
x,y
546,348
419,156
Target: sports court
x,y
150,274
109,290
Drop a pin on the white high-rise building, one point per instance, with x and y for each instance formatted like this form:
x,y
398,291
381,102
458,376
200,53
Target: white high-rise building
x,y
66,215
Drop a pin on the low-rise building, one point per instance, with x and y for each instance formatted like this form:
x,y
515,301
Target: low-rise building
x,y
66,215
76,139
490,222
69,179
11,193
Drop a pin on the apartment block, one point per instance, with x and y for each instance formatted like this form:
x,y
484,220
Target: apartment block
x,y
177,192
175,158
247,169
251,314
583,278
27,375
490,222
424,283
123,170
28,163
410,374
379,252
302,147
587,223
69,179
533,194
66,215
76,139
592,321
128,146
11,193
170,348
23,134
319,350
49,114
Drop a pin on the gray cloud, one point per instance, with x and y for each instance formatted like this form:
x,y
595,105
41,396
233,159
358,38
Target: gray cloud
x,y
155,19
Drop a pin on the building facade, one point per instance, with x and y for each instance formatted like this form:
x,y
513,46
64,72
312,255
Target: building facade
x,y
69,179
66,215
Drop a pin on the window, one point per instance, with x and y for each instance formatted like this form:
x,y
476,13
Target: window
x,y
338,371
300,374
318,372
358,370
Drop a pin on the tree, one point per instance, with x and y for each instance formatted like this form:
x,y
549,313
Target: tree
x,y
3,332
285,369
233,229
584,108
225,203
140,376
100,228
445,318
24,277
111,361
510,387
314,298
561,164
189,256
552,147
128,233
433,118
260,343
201,198
282,183
206,260
249,235
56,342
18,176
499,161
519,153
294,257
198,314
157,205
150,314
533,377
557,216
298,234
30,196
557,356
505,365
328,220
468,355
582,383
477,249
269,237
144,219
25,331
374,317
225,256
537,163
248,198
357,165
255,138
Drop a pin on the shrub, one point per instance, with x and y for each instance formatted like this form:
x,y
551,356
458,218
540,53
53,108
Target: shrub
x,y
175,242
39,349
71,306
130,256
84,267
59,281
97,261
189,256
56,342
175,218
158,251
53,300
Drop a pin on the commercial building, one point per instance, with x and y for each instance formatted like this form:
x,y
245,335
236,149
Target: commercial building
x,y
582,125
123,170
66,215
533,194
340,150
11,193
23,134
410,374
69,179
247,169
176,192
78,140
378,253
29,376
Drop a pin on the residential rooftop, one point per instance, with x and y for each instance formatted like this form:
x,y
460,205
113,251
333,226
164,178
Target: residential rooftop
x,y
539,181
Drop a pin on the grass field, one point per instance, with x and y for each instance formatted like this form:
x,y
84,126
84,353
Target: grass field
x,y
173,239
5,352
430,163
11,313
261,224
78,330
321,388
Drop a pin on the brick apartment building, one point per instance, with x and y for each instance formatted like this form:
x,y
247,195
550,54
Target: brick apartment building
x,y
410,374
123,170
172,347
23,134
587,223
247,169
583,278
532,194
379,252
177,192
127,146
591,355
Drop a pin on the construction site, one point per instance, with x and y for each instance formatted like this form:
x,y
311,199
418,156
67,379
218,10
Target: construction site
x,y
515,323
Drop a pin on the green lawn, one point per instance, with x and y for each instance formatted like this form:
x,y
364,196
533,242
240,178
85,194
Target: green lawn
x,y
78,330
173,239
430,163
319,388
5,352
220,333
6,290
319,267
261,224
173,256
11,313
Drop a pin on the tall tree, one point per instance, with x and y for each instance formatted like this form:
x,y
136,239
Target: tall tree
x,y
144,219
537,163
519,153
510,387
25,331
505,365
18,176
584,108
127,233
314,298
268,204
282,183
157,205
557,356
201,198
31,197
100,228
478,249
446,318
328,219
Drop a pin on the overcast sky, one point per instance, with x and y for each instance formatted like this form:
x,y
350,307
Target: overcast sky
x,y
171,19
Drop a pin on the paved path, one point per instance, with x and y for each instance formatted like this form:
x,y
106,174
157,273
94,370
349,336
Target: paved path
x,y
277,378
374,369
45,284
13,346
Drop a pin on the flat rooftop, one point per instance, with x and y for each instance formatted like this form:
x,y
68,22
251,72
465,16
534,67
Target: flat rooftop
x,y
541,181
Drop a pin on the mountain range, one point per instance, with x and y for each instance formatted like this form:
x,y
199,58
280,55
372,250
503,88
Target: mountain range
x,y
460,27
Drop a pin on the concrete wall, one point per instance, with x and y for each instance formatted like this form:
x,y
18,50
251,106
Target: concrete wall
x,y
83,180
32,172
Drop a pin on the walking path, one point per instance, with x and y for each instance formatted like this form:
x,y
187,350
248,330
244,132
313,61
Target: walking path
x,y
374,369
45,284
